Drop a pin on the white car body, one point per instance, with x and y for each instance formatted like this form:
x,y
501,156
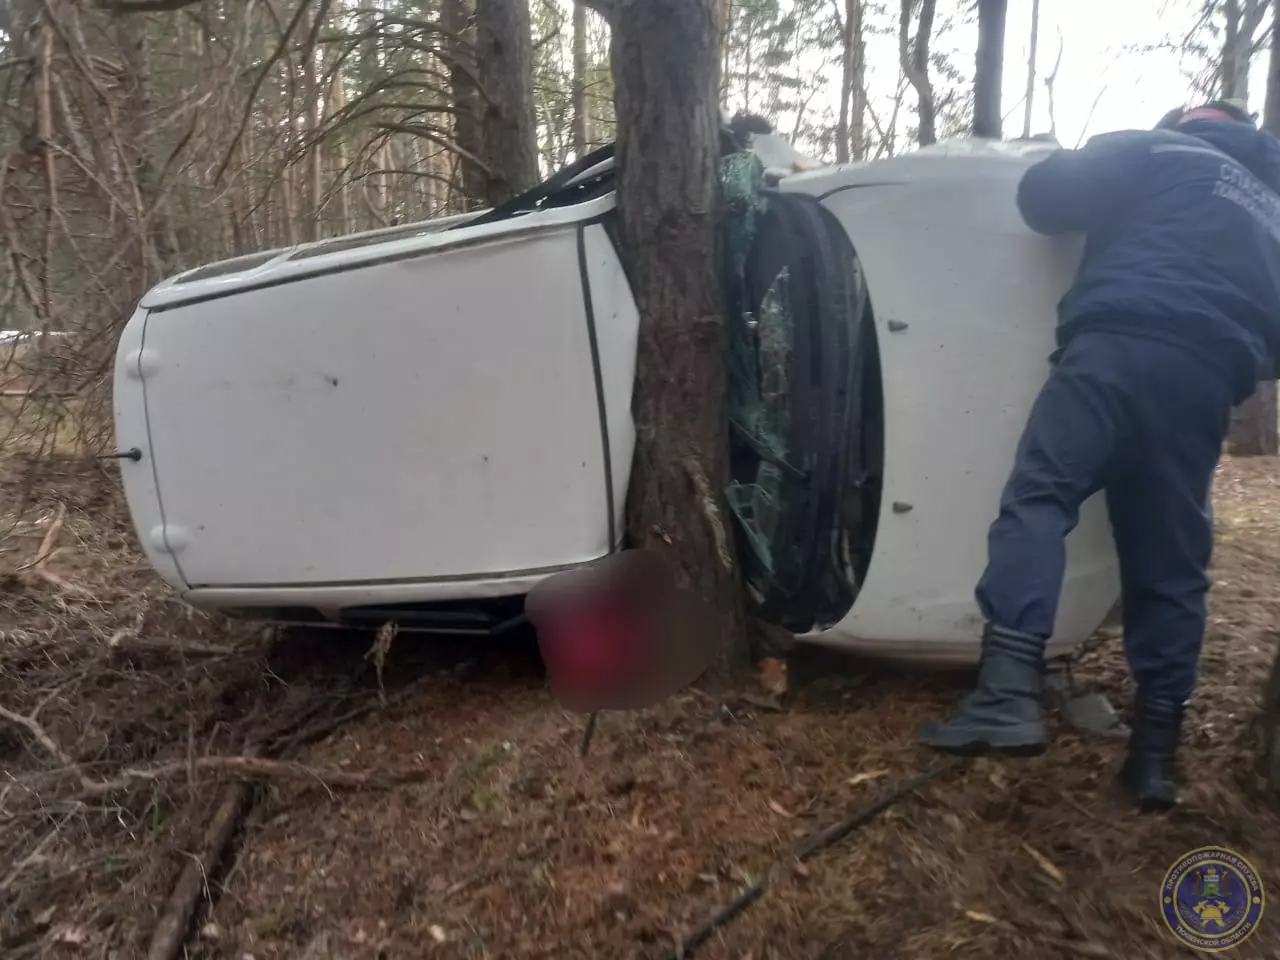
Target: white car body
x,y
439,413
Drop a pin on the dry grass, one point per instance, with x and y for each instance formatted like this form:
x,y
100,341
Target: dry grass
x,y
511,845
112,695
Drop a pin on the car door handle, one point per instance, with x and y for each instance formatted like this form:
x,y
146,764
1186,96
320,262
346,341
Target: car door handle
x,y
133,453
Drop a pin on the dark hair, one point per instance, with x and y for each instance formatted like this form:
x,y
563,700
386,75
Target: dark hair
x,y
1231,108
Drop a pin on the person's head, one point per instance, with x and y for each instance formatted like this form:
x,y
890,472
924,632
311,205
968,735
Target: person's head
x,y
1227,125
1222,110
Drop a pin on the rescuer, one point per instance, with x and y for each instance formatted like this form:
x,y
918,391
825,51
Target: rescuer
x,y
1173,318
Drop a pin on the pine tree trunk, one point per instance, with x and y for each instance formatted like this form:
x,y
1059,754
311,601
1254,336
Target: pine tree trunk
x,y
312,106
846,85
1265,396
849,129
858,89
504,60
1254,430
338,100
457,18
1232,54
665,56
989,70
579,80
1241,21
158,240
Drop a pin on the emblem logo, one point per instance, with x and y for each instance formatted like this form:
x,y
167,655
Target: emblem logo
x,y
1212,899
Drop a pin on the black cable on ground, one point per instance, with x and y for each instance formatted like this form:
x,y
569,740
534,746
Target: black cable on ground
x,y
803,851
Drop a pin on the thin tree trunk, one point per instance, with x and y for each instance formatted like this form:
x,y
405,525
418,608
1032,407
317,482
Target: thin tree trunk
x,y
1271,110
726,43
289,206
846,83
915,64
385,207
665,56
1050,81
1233,52
312,107
579,80
1031,69
1242,18
851,105
1254,428
504,58
338,99
989,69
858,104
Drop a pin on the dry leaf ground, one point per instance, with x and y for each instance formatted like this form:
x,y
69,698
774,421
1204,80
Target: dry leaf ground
x,y
514,846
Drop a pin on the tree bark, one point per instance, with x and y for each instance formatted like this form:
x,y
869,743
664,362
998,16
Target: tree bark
x,y
579,80
989,70
1242,19
1254,428
504,59
1031,69
338,100
159,245
457,18
849,125
313,107
915,65
858,108
665,57
1269,720
1231,52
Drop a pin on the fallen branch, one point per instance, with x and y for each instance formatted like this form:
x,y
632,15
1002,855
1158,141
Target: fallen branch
x,y
45,550
171,931
806,849
123,641
251,767
323,728
39,566
1081,948
39,734
245,767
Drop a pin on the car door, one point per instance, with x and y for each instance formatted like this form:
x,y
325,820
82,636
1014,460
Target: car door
x,y
804,416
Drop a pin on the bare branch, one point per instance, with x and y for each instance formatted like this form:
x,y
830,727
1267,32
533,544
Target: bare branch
x,y
251,100
144,6
427,133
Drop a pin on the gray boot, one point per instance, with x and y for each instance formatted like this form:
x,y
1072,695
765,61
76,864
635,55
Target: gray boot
x,y
1005,713
1150,769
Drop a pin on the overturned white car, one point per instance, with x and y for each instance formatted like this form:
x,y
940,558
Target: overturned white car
x,y
420,423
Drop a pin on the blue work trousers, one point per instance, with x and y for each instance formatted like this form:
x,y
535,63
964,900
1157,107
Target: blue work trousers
x,y
1144,421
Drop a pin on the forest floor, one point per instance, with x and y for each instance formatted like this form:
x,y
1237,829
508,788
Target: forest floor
x,y
459,819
